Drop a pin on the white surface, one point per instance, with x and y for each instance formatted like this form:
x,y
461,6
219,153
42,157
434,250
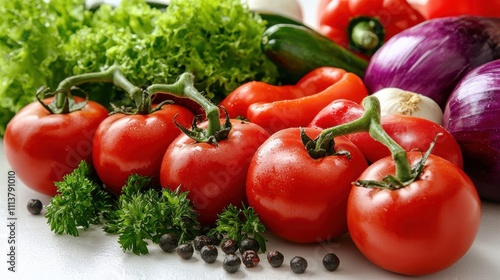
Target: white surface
x,y
40,254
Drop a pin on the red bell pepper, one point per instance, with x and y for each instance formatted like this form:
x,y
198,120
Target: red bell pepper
x,y
299,112
238,101
364,25
444,8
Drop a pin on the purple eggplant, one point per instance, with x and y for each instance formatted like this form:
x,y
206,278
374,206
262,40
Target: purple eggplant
x,y
472,116
432,57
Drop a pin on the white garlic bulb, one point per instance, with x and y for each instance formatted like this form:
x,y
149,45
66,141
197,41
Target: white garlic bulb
x,y
398,101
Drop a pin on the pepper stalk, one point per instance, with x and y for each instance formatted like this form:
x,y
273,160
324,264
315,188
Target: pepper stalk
x,y
366,34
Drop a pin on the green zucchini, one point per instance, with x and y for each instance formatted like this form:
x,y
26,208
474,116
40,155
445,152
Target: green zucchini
x,y
273,19
297,50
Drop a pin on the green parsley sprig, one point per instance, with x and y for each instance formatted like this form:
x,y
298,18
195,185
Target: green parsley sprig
x,y
145,213
80,202
142,213
240,223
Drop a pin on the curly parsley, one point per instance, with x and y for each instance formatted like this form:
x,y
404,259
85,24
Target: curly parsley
x,y
145,213
240,223
79,203
142,213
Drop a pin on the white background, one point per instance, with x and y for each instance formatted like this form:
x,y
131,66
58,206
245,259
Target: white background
x,y
43,255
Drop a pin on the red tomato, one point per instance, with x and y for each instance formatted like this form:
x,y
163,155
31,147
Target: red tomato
x,y
135,144
299,198
411,133
42,147
443,8
214,175
418,229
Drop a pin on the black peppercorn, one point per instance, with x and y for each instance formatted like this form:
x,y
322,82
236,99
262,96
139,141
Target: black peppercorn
x,y
331,262
250,258
201,240
298,265
168,242
275,258
35,206
229,246
231,263
249,244
185,251
216,239
209,253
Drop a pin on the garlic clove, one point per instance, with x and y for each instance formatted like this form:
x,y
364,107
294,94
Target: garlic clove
x,y
398,101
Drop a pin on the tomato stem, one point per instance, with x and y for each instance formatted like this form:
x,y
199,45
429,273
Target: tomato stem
x,y
64,102
184,88
370,122
111,75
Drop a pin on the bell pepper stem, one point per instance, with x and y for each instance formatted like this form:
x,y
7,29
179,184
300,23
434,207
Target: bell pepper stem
x,y
363,37
370,122
366,34
184,88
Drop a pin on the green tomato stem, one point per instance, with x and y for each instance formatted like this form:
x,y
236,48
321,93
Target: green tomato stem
x,y
370,122
111,75
184,88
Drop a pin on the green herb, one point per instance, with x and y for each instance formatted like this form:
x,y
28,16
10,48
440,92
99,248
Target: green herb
x,y
141,214
240,223
144,213
134,186
140,219
80,202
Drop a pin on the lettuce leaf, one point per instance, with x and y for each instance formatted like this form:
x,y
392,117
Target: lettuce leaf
x,y
44,41
218,41
31,36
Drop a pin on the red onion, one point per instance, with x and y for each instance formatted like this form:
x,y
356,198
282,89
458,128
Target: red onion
x,y
472,116
430,58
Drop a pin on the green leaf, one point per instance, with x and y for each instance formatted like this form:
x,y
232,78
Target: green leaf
x,y
79,202
144,213
32,33
240,223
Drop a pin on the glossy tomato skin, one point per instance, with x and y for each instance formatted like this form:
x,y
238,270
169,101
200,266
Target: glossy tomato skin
x,y
299,198
411,133
42,147
135,144
419,229
214,175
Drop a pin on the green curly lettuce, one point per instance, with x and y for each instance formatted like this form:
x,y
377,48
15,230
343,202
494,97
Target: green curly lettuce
x,y
114,36
218,41
44,41
31,36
